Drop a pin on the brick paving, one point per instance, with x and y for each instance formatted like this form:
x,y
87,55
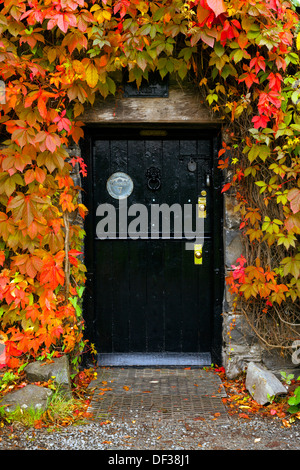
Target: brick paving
x,y
155,394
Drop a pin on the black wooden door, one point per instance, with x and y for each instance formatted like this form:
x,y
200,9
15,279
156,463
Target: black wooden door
x,y
148,293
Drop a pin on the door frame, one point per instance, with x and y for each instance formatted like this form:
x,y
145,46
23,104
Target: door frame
x,y
218,288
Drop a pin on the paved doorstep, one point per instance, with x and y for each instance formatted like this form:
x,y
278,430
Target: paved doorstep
x,y
156,394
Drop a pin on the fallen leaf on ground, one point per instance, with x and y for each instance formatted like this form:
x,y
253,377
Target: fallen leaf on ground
x,y
244,415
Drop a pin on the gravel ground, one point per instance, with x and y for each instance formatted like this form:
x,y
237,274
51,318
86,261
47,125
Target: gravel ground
x,y
238,434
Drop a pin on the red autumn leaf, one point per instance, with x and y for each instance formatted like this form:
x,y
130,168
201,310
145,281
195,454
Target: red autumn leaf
x,y
76,131
244,415
63,20
292,223
226,187
230,31
217,6
17,161
41,105
121,6
72,256
249,77
33,312
28,264
66,202
52,272
202,14
37,174
275,81
294,198
260,121
223,163
62,122
266,100
2,257
48,141
57,331
242,41
258,63
11,348
209,40
52,141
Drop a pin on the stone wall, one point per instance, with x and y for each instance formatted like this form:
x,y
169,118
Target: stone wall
x,y
183,105
240,344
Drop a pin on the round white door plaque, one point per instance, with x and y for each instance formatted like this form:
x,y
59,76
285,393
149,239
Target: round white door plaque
x,y
119,185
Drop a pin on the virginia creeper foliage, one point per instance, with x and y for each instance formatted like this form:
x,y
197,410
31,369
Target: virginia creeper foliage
x,y
56,56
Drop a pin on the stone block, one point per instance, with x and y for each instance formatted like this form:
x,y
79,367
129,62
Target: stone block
x,y
58,371
237,331
233,246
262,384
237,356
232,218
30,396
277,364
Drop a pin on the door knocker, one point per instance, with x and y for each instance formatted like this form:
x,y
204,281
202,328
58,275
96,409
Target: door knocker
x,y
154,178
192,165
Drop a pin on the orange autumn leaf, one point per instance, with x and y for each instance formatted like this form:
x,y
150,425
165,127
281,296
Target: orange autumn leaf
x,y
217,6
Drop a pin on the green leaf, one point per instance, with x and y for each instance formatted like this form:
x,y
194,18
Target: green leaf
x,y
159,14
262,185
182,71
111,85
253,34
219,49
142,61
145,29
264,152
291,266
295,399
227,70
253,153
237,55
162,62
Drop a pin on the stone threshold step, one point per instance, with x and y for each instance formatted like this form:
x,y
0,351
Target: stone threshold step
x,y
154,359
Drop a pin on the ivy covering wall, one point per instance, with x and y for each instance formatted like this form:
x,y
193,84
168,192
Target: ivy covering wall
x,y
55,58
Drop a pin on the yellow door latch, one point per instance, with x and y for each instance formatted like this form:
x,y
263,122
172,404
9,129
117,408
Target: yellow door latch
x,y
197,254
202,205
